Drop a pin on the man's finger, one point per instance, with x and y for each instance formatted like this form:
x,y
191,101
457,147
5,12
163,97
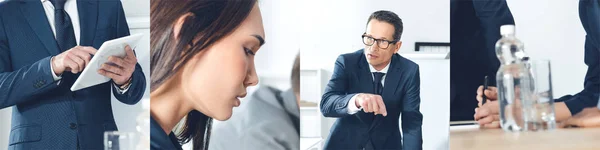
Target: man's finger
x,y
88,49
113,69
365,104
108,74
488,119
375,105
481,113
86,57
565,123
129,52
382,108
491,94
371,107
489,108
492,125
479,99
77,61
492,106
120,62
493,88
475,115
73,67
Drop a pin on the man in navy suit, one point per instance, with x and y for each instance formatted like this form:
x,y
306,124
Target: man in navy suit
x,y
40,60
371,88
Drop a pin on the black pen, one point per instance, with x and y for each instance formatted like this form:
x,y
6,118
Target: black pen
x,y
485,86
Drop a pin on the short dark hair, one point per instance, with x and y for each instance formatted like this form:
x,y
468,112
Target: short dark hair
x,y
389,17
296,75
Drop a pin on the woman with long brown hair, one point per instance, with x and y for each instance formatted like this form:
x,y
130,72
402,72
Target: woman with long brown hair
x,y
202,61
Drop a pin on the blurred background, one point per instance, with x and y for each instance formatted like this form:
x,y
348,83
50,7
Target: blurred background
x,y
555,35
330,28
138,18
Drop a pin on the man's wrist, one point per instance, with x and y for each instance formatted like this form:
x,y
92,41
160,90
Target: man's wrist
x,y
55,75
125,85
54,68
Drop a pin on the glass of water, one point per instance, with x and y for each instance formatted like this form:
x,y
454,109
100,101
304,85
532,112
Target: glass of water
x,y
538,108
115,140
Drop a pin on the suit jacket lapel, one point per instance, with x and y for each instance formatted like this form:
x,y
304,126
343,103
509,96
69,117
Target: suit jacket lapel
x,y
365,80
365,76
88,17
34,13
392,79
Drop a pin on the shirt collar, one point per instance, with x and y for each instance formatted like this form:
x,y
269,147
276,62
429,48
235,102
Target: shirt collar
x,y
43,1
384,70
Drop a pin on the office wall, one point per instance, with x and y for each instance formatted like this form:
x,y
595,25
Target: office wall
x,y
275,59
551,30
329,28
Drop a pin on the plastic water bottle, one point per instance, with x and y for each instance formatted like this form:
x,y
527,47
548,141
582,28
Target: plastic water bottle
x,y
513,80
143,126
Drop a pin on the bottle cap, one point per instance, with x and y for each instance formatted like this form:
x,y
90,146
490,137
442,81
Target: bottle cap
x,y
507,29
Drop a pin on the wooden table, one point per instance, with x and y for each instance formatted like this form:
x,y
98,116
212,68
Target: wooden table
x,y
467,138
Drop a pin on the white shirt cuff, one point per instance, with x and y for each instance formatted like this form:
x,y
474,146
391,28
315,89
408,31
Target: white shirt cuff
x,y
119,90
352,109
54,76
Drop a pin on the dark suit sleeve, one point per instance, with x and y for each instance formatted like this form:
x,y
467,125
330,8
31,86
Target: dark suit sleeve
x,y
588,97
335,100
19,85
492,14
138,80
412,119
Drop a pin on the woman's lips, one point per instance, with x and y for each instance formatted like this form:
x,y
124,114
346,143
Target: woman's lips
x,y
236,103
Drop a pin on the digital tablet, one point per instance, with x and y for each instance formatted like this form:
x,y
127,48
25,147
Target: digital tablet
x,y
90,76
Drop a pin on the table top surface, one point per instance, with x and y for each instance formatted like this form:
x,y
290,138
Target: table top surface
x,y
471,137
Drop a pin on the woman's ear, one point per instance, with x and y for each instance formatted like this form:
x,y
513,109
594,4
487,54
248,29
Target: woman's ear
x,y
179,23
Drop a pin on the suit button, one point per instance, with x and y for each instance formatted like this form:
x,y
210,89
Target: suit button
x,y
72,125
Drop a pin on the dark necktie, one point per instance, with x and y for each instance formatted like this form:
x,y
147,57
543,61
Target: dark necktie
x,y
377,88
377,82
65,36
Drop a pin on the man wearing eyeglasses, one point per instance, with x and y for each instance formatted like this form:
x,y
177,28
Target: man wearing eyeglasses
x,y
371,88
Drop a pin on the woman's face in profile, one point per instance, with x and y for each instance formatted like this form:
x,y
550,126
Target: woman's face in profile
x,y
217,77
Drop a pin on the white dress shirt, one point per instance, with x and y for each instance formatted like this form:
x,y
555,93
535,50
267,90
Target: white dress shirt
x,y
73,11
352,109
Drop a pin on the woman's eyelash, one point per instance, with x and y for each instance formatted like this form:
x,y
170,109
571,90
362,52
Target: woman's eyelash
x,y
248,51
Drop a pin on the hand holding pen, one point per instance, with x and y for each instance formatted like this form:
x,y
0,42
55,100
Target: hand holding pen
x,y
487,112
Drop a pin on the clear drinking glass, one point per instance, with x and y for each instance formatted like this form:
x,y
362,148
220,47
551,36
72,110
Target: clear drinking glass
x,y
539,107
115,140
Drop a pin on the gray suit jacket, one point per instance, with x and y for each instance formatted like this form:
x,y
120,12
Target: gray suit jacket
x,y
260,123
